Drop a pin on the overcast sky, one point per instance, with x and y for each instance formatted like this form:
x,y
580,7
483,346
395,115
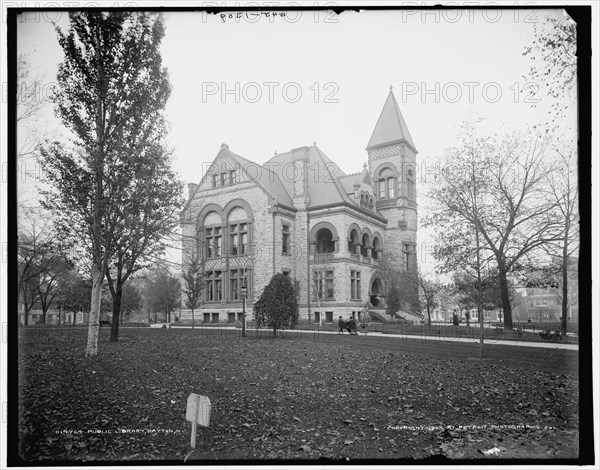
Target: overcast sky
x,y
264,84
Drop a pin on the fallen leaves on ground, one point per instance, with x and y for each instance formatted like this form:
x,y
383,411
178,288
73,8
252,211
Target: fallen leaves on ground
x,y
284,398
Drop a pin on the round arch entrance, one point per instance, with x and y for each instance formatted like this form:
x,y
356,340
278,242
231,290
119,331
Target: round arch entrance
x,y
376,293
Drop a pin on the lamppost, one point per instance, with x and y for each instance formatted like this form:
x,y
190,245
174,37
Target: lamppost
x,y
244,292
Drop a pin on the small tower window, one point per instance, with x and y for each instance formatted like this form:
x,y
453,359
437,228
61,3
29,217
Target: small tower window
x,y
387,184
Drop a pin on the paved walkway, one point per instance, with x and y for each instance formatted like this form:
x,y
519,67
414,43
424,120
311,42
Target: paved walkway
x,y
529,344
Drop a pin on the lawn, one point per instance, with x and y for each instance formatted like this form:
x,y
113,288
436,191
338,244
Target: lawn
x,y
293,397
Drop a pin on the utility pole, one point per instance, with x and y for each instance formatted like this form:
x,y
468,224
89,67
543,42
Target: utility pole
x,y
244,292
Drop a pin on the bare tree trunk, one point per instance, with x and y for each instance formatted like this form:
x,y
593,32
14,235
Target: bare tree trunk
x,y
94,325
114,328
565,286
505,297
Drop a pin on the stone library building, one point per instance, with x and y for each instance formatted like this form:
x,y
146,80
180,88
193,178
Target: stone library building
x,y
299,214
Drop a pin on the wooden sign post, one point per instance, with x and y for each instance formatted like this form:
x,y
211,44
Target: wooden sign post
x,y
198,412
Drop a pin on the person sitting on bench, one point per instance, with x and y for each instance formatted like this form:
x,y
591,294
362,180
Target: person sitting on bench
x,y
351,325
342,325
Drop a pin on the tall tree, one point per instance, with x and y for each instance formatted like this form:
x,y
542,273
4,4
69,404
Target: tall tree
x,y
277,306
565,191
111,92
428,292
50,279
75,294
553,56
149,217
402,290
37,256
162,292
498,190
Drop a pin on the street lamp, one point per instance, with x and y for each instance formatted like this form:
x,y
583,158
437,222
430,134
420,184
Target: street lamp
x,y
244,292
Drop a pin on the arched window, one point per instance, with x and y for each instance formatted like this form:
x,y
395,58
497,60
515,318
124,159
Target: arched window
x,y
362,200
353,242
325,242
377,250
238,231
371,203
386,183
366,244
213,241
376,292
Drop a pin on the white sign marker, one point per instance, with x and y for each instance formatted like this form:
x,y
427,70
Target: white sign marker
x,y
198,412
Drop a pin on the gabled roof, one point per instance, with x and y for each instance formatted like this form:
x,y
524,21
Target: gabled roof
x,y
266,177
390,127
324,185
349,181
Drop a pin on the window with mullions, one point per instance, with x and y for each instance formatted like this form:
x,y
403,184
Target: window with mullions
x,y
285,239
387,184
237,277
213,242
355,284
214,286
323,282
234,284
232,177
238,239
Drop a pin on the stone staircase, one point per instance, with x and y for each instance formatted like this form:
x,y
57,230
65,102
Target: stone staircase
x,y
379,315
411,317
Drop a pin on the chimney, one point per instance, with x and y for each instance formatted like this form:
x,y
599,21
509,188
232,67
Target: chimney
x,y
191,189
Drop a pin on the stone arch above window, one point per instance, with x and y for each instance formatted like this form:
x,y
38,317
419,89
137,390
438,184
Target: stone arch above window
x,y
365,248
377,246
238,209
354,238
377,290
367,231
386,181
386,169
211,214
237,214
212,218
334,235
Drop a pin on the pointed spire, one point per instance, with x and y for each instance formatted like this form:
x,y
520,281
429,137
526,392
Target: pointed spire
x,y
391,127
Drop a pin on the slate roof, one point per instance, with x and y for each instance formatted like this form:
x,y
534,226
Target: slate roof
x,y
266,177
391,126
